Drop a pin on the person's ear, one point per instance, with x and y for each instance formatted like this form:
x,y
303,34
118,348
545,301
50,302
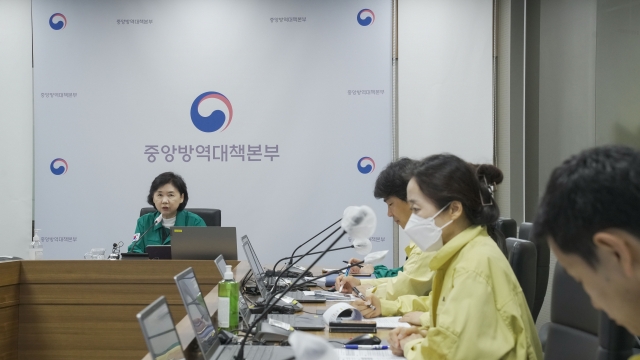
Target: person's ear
x,y
613,244
455,209
181,198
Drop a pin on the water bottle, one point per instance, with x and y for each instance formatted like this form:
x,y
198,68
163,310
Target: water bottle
x,y
35,248
228,294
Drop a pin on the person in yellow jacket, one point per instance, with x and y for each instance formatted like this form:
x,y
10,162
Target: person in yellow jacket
x,y
478,310
590,215
414,278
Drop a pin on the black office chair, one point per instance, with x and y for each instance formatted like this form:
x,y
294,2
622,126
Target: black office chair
x,y
508,227
211,217
542,266
573,330
522,257
616,343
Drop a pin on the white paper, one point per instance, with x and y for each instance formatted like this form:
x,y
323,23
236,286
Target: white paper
x,y
332,313
309,293
334,296
344,354
389,322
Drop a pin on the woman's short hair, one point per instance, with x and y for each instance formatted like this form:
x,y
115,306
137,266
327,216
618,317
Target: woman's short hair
x,y
393,180
169,178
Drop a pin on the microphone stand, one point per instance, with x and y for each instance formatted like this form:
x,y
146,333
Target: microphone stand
x,y
313,253
240,354
332,272
313,248
304,243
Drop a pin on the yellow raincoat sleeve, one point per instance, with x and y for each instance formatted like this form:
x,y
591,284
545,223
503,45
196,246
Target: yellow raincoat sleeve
x,y
405,304
497,332
407,291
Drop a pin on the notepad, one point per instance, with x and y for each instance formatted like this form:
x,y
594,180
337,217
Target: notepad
x,y
389,322
344,354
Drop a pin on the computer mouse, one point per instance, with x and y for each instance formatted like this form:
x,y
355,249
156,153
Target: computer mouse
x,y
366,339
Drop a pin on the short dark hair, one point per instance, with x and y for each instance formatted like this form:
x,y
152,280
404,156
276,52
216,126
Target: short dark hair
x,y
169,178
393,180
590,192
444,178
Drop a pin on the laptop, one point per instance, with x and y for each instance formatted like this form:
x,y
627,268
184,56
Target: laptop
x,y
306,322
159,252
259,276
298,322
206,332
203,242
159,331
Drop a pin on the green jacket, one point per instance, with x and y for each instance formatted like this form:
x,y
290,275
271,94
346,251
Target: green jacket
x,y
156,235
381,271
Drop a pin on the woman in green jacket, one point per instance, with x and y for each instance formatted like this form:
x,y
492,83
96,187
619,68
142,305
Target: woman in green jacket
x,y
477,310
168,194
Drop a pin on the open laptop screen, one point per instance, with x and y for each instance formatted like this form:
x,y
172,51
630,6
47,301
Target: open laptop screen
x,y
196,310
159,331
255,267
221,264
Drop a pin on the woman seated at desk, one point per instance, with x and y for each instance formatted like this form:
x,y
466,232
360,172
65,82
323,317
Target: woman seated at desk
x,y
477,308
168,194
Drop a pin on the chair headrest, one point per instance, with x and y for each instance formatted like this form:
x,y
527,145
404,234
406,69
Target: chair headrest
x,y
570,304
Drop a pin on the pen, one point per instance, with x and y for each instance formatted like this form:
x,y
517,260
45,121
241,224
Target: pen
x,y
346,262
359,294
346,274
366,347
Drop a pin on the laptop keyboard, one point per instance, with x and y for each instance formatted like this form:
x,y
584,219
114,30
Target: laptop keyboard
x,y
285,318
255,352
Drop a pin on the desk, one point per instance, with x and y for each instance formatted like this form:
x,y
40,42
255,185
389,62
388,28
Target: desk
x,y
86,309
185,330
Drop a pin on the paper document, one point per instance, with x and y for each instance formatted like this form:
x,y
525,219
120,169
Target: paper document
x,y
344,354
335,296
343,311
389,322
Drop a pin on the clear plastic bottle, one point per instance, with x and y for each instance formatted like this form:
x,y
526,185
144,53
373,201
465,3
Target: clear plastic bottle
x,y
35,248
228,295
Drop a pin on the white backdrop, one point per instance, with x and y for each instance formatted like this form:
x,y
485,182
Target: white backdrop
x,y
117,82
445,80
16,127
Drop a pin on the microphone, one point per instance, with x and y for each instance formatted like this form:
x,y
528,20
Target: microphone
x,y
155,222
352,224
304,243
372,258
359,222
303,255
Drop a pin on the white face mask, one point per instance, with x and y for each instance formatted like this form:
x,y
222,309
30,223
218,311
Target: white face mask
x,y
424,232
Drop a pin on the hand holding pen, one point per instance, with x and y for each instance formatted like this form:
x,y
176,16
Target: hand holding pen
x,y
368,306
346,274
